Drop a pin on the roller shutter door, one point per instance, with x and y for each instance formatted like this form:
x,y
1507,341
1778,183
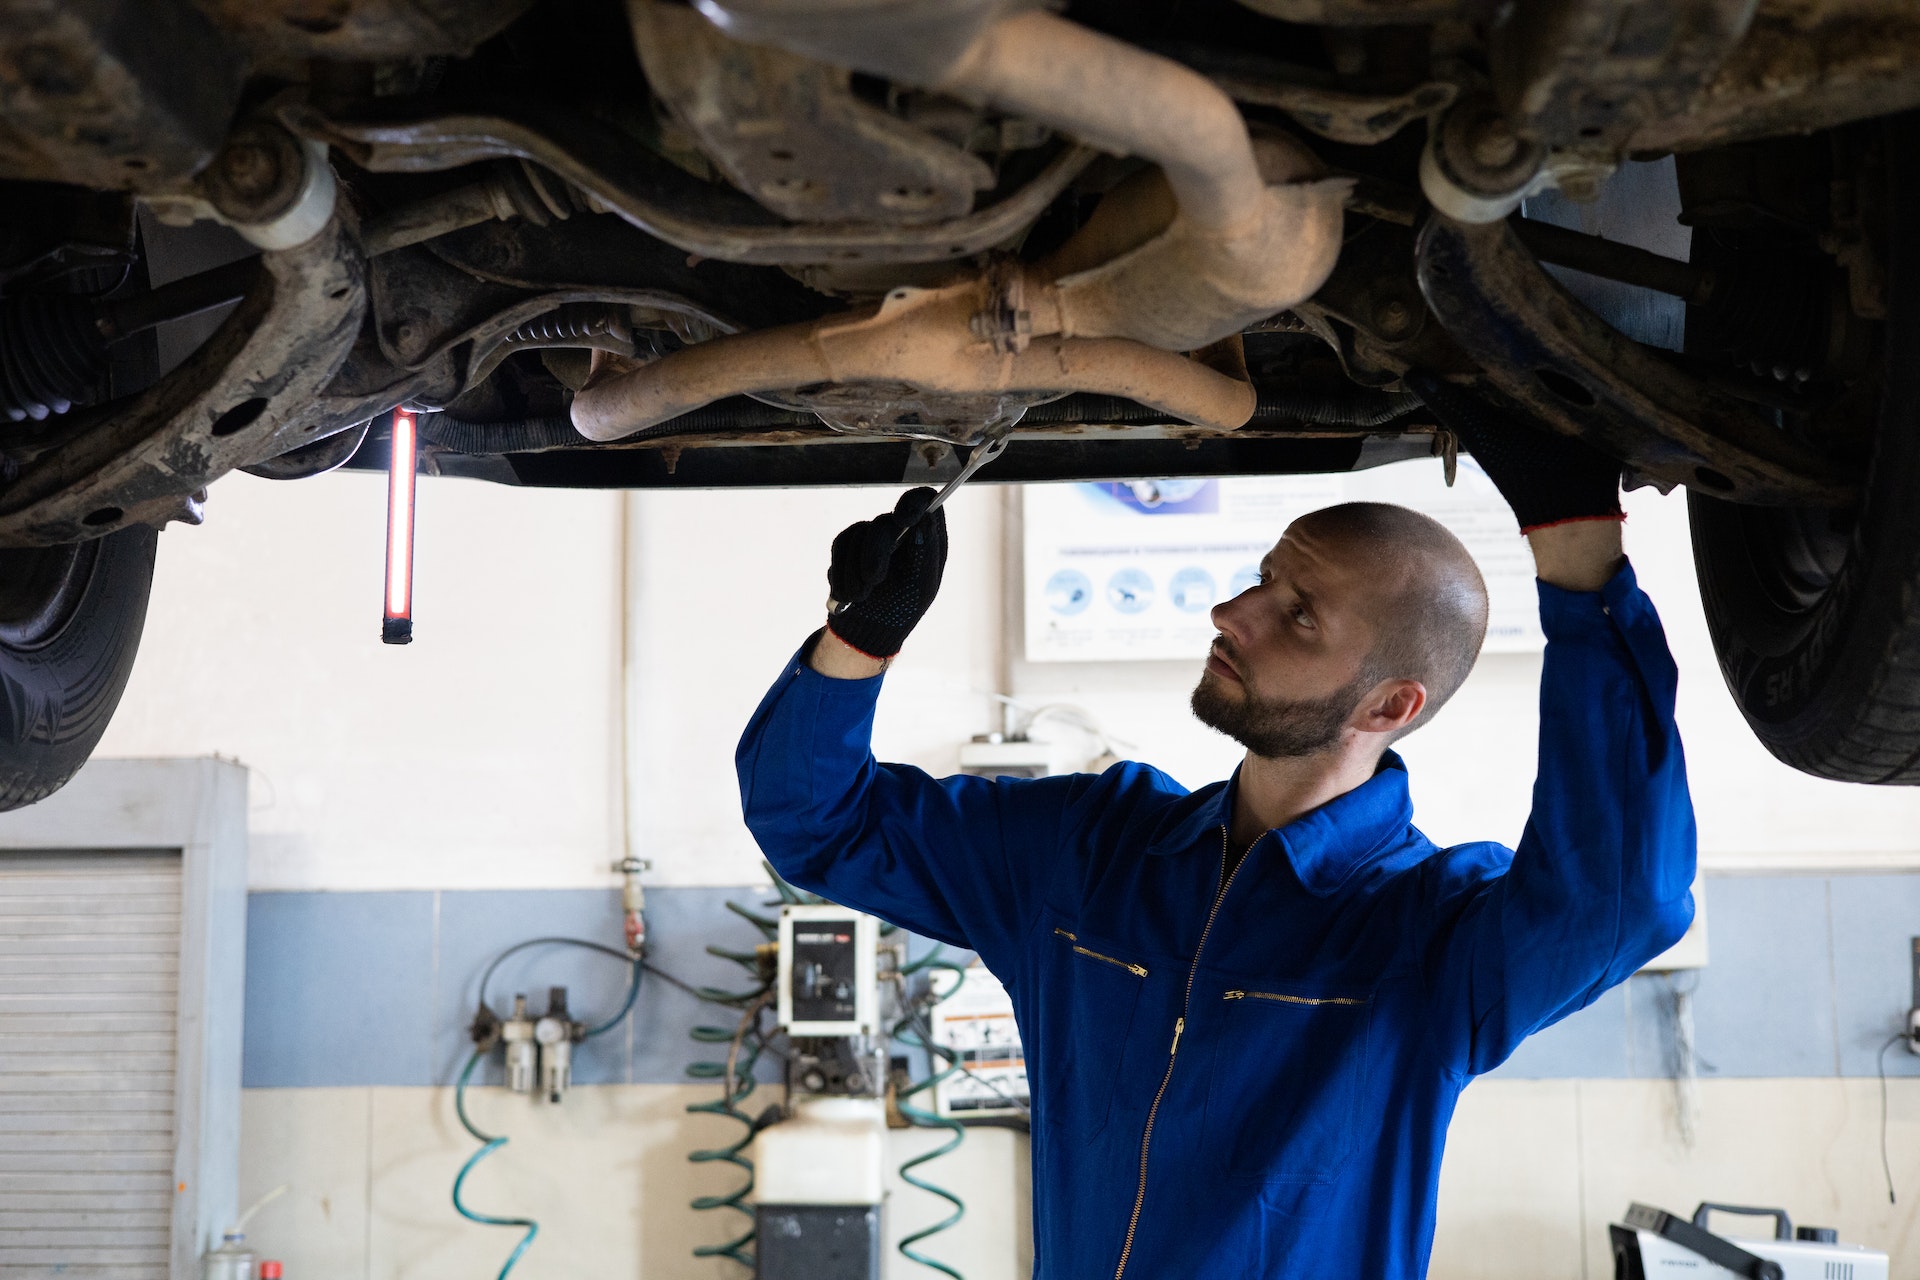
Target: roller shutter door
x,y
89,994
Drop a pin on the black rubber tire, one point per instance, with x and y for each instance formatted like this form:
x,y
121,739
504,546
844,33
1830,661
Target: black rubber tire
x,y
1815,615
62,674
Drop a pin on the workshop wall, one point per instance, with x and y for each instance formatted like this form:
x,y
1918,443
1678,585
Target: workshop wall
x,y
416,810
487,754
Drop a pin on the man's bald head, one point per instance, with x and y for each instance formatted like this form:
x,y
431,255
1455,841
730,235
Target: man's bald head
x,y
1429,605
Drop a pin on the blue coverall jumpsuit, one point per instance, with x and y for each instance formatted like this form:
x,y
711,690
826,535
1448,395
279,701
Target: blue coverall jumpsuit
x,y
1255,1078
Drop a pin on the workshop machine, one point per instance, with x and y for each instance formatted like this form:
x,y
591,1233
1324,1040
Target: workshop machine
x,y
1656,1245
819,1177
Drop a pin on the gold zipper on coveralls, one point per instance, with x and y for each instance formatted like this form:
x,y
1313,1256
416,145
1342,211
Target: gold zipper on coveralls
x,y
1137,970
1180,1024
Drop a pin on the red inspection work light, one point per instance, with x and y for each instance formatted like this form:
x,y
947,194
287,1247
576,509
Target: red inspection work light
x,y
397,626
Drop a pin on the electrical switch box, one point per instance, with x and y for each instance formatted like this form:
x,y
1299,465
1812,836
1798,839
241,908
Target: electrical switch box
x,y
827,980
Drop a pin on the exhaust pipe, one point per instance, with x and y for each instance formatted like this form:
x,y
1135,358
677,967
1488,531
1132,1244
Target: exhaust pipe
x,y
1226,233
924,337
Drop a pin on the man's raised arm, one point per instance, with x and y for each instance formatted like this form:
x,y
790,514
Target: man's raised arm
x,y
961,859
1600,881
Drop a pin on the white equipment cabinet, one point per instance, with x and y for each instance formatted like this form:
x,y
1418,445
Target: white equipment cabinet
x,y
122,948
1653,1244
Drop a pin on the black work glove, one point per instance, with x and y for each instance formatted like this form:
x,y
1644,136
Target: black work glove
x,y
885,573
1546,477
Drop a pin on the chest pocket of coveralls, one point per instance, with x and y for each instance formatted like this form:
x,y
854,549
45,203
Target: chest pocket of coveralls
x,y
1090,1000
1289,1073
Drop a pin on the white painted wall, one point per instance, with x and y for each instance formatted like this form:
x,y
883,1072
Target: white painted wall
x,y
369,1173
482,754
487,753
1535,1171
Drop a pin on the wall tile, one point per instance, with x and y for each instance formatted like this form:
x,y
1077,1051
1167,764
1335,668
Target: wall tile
x,y
1764,1006
1876,919
1510,1185
378,988
1592,1042
339,989
314,1142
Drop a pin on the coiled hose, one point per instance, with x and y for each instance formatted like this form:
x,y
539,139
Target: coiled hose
x,y
490,1143
914,1031
736,1075
745,1045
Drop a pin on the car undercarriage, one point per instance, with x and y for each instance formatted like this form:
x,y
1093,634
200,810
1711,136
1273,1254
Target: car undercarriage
x,y
806,242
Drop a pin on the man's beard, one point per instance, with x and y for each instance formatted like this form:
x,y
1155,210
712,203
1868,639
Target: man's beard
x,y
1277,728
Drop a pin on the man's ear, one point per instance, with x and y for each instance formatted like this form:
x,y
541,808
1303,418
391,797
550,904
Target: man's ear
x,y
1391,706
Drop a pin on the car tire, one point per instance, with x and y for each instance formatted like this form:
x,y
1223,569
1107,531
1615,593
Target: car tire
x,y
1815,614
70,622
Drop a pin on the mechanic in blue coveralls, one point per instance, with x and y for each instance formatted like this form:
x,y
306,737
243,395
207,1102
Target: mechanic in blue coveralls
x,y
1248,1010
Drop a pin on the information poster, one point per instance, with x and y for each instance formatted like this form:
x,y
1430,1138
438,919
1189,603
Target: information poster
x,y
1129,570
976,1022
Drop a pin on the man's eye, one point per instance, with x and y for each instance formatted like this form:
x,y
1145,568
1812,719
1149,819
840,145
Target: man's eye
x,y
1301,616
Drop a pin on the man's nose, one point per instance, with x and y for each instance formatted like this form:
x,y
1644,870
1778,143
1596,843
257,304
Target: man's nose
x,y
1225,615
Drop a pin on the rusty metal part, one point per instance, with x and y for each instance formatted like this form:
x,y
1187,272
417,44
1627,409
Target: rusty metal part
x,y
513,189
1250,237
429,314
583,326
665,201
920,337
362,30
1371,314
1223,234
257,174
240,398
1475,167
919,41
114,94
1611,260
789,131
1358,13
329,453
1802,65
1587,74
1340,115
436,216
1544,350
591,253
898,409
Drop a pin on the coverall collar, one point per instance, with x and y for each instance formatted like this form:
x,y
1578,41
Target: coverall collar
x,y
1325,846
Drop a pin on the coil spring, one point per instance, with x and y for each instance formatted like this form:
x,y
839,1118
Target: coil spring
x,y
580,322
540,197
52,355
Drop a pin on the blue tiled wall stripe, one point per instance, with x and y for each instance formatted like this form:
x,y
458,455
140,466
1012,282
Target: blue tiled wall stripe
x,y
1808,978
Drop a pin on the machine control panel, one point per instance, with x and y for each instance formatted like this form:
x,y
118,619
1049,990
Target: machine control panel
x,y
827,971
